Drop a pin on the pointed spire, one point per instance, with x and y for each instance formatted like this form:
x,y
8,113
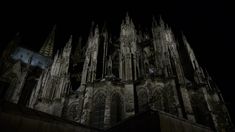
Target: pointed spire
x,y
206,73
184,38
92,28
70,41
154,22
104,28
68,46
47,48
127,18
161,22
190,52
123,22
186,44
96,30
56,55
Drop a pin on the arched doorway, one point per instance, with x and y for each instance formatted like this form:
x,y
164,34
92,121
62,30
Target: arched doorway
x,y
142,100
97,113
74,111
116,109
156,100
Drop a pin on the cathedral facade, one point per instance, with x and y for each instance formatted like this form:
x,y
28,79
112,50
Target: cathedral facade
x,y
107,80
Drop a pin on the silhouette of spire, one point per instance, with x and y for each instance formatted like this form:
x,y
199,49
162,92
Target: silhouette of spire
x,y
68,44
47,48
190,52
161,22
154,22
127,18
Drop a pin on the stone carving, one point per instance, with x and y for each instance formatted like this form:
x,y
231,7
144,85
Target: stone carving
x,y
74,111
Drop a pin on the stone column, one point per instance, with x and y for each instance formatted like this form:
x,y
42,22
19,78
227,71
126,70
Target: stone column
x,y
210,108
107,115
87,104
187,104
176,97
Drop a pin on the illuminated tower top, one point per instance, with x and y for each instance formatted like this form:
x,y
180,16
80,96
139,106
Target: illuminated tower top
x,y
47,48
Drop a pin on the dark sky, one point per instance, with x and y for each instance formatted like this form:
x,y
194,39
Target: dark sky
x,y
209,27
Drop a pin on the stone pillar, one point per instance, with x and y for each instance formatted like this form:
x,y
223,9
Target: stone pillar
x,y
210,108
85,70
176,96
187,104
121,66
87,104
134,68
128,68
107,112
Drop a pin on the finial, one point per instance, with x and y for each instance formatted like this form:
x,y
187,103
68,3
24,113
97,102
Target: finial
x,y
127,18
161,22
70,40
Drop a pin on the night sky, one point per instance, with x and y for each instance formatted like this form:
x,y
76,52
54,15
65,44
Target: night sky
x,y
209,28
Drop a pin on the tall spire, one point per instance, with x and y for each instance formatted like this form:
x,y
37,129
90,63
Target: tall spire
x,y
47,48
154,22
127,18
161,22
190,53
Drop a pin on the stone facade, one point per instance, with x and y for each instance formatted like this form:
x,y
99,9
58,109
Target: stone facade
x,y
123,77
53,85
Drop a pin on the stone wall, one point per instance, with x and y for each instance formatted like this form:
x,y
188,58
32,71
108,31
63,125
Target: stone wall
x,y
153,121
18,118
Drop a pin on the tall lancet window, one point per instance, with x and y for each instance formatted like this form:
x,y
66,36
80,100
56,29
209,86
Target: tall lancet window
x,y
116,109
97,113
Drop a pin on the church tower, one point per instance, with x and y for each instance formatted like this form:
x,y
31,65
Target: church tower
x,y
207,93
53,85
90,64
128,49
47,48
117,78
127,63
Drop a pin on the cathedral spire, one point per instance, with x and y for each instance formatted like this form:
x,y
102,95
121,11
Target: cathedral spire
x,y
154,22
47,48
161,22
92,28
127,18
190,53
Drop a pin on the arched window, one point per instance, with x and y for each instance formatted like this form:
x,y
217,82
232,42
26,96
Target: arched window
x,y
74,111
156,100
116,109
142,100
97,113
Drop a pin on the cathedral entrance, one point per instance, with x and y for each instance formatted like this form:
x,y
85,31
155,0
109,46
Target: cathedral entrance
x,y
97,115
116,109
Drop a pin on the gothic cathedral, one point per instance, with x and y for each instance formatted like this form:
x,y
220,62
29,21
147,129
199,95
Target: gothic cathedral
x,y
107,80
